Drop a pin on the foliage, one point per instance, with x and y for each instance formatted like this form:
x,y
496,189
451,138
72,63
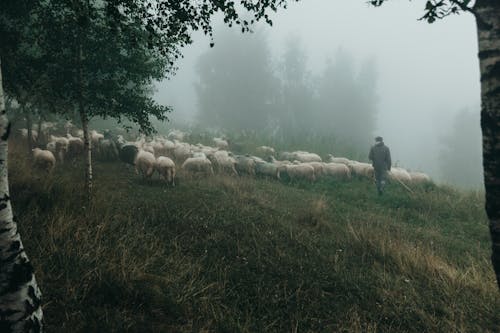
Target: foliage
x,y
236,87
460,159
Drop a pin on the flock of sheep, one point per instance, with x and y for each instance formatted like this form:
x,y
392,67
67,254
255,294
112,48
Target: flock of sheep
x,y
165,155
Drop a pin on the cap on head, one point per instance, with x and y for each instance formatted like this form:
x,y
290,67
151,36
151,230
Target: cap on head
x,y
379,139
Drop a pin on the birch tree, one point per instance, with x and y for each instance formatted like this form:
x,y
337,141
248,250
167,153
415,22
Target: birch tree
x,y
487,15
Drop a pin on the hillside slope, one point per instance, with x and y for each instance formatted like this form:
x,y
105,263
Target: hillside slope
x,y
240,254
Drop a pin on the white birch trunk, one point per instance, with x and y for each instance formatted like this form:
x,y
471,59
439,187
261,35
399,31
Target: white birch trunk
x,y
20,297
487,14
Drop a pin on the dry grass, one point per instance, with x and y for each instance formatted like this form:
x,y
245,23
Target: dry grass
x,y
231,254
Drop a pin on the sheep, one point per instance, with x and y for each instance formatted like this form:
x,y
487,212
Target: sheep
x,y
95,138
297,171
361,169
144,163
61,144
24,134
127,153
318,168
177,135
336,170
75,146
419,178
182,151
399,174
166,169
107,150
245,164
267,169
198,165
304,156
285,155
265,151
222,161
43,159
343,160
278,163
221,143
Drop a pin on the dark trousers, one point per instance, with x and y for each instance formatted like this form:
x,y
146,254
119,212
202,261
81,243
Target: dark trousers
x,y
380,179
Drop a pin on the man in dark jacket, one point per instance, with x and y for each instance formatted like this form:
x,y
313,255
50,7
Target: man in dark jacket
x,y
380,155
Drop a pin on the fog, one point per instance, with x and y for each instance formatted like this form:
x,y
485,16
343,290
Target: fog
x,y
427,74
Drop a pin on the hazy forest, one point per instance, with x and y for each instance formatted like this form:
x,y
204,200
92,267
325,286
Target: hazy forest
x,y
249,166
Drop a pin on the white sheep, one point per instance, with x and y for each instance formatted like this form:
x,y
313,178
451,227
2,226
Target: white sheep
x,y
95,138
318,168
166,169
419,178
297,171
198,165
399,174
24,134
304,156
182,151
343,160
336,170
61,144
144,163
265,151
245,164
221,143
43,159
267,169
361,169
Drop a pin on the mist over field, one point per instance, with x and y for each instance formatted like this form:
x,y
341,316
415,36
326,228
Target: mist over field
x,y
423,78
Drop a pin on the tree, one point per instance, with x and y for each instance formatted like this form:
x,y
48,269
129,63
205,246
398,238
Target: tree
x,y
295,107
236,94
347,100
162,22
486,13
460,159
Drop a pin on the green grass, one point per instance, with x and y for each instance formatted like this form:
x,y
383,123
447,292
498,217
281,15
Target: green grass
x,y
230,254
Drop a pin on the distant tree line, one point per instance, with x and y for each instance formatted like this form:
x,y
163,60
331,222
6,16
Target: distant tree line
x,y
242,87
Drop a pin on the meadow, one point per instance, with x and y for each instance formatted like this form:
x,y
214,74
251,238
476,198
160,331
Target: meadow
x,y
244,254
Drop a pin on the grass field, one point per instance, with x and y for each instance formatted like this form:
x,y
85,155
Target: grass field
x,y
229,254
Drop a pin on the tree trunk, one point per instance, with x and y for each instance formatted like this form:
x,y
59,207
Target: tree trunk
x,y
87,151
30,131
20,297
488,28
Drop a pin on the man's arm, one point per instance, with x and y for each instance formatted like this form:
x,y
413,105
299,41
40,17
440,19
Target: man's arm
x,y
370,155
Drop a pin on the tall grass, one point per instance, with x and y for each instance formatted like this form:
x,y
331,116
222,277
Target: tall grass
x,y
229,254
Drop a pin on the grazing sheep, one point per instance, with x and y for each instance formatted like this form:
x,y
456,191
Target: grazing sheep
x,y
278,163
318,168
198,165
361,169
245,164
267,169
182,151
145,163
75,146
24,134
107,150
61,144
297,171
43,159
127,153
166,169
399,174
420,178
177,135
336,170
265,151
221,143
304,156
343,160
95,138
